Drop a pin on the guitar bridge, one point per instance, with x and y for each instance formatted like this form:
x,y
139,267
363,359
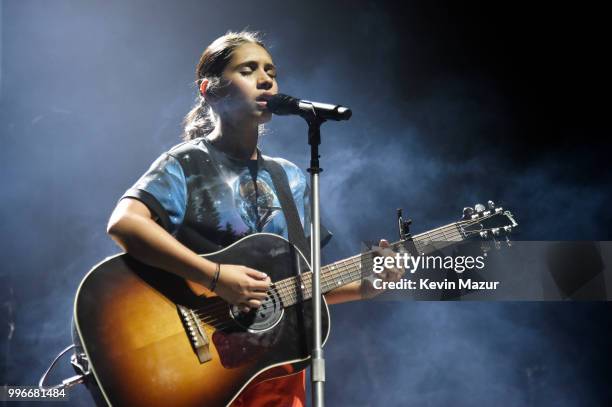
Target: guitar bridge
x,y
195,332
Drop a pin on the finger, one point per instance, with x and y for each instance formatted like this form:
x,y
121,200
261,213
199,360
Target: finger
x,y
253,303
260,285
395,275
258,295
391,274
259,275
244,308
384,249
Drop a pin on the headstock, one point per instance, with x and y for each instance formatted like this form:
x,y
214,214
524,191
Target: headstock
x,y
487,222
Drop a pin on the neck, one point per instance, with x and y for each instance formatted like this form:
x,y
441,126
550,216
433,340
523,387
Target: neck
x,y
296,289
236,140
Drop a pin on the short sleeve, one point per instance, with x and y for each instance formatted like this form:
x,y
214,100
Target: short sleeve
x,y
163,190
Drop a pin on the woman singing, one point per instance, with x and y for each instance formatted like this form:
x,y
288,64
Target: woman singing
x,y
211,191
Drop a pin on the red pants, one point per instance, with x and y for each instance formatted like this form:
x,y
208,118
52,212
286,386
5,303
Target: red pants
x,y
286,391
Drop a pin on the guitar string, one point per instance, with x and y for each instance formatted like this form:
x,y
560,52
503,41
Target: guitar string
x,y
288,297
292,296
288,289
330,273
330,278
336,268
286,286
290,293
352,272
224,321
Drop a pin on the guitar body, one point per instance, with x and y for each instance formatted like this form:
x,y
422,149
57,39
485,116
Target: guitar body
x,y
133,322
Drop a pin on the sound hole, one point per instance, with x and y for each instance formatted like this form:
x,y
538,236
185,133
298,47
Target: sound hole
x,y
261,319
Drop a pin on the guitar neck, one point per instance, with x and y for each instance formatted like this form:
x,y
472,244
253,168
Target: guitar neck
x,y
296,289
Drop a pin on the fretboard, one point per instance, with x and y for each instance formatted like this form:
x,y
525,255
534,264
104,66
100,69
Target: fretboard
x,y
296,289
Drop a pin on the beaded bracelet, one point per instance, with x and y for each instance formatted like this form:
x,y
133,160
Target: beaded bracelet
x,y
213,285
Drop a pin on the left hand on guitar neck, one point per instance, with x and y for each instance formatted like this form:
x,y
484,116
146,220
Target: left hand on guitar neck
x,y
392,274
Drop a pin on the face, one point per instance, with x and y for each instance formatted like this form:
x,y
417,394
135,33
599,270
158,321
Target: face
x,y
251,75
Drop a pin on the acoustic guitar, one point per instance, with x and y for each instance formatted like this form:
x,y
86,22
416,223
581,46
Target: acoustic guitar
x,y
153,339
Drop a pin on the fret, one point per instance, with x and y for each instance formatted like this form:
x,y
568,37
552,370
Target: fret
x,y
444,233
345,271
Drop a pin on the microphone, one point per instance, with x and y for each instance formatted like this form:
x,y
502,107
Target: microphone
x,y
286,105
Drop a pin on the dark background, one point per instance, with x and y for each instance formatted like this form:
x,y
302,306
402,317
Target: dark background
x,y
453,104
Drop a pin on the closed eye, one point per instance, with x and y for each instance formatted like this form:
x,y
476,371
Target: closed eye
x,y
249,67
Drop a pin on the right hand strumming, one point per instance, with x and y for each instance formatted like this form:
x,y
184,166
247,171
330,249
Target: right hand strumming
x,y
242,286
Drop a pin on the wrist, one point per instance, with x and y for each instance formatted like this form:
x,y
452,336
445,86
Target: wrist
x,y
207,269
215,278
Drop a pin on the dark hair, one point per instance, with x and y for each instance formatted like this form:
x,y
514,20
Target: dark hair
x,y
201,119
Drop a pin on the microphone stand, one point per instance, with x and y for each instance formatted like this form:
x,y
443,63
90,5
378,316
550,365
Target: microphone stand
x,y
315,115
318,362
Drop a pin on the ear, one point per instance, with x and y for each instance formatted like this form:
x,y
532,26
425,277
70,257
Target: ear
x,y
203,87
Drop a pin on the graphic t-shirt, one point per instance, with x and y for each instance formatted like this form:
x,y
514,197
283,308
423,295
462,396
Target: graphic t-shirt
x,y
196,187
226,198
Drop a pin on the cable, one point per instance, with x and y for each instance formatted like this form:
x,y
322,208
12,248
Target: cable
x,y
41,382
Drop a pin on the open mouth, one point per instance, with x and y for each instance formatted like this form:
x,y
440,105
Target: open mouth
x,y
262,100
263,97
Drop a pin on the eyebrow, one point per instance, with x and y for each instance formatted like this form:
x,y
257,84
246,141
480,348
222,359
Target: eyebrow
x,y
255,63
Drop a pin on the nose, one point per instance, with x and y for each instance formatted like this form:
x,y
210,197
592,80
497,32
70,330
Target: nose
x,y
264,81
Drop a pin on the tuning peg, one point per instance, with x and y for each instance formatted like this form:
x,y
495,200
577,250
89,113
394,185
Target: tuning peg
x,y
468,212
508,241
479,208
484,234
491,205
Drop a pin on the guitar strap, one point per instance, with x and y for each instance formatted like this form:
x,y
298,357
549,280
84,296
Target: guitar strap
x,y
295,230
